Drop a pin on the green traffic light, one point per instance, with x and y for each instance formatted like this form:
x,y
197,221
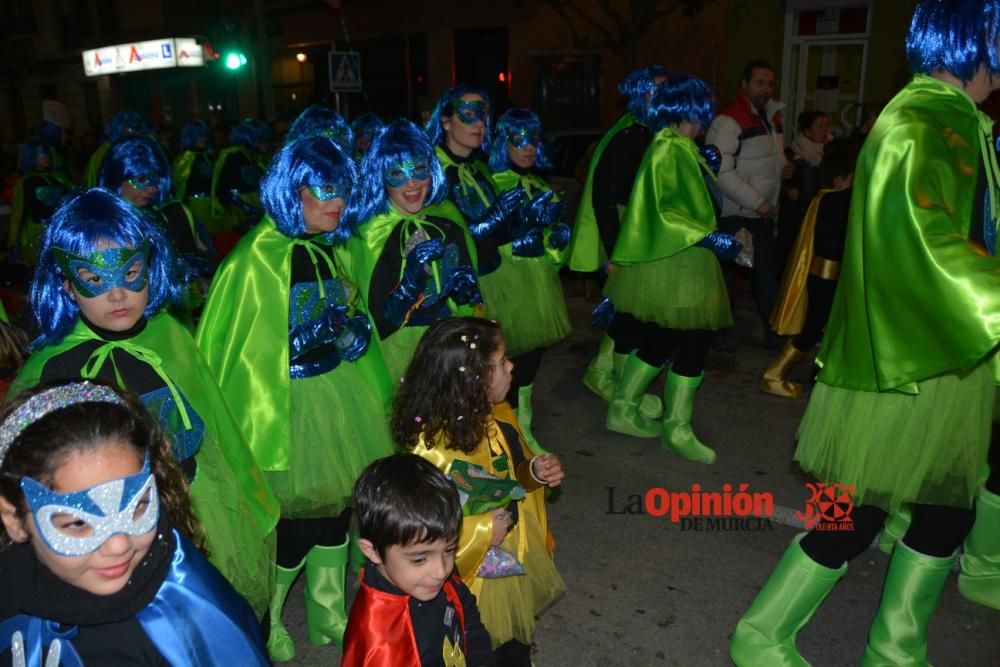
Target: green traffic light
x,y
235,60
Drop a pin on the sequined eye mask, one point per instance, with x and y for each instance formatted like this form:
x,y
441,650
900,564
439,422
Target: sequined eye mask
x,y
107,269
330,191
471,111
78,523
400,173
519,140
142,181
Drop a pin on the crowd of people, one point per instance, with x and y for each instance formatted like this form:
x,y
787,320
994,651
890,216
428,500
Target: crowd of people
x,y
245,368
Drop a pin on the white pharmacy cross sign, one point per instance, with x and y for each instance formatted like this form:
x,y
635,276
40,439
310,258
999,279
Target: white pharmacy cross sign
x,y
345,72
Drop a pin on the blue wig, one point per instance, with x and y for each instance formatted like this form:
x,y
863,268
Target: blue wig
x,y
312,161
30,151
680,98
366,125
79,226
249,132
322,120
124,124
49,133
956,36
445,108
400,140
636,85
517,121
131,157
192,131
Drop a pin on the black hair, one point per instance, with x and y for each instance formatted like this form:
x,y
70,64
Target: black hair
x,y
839,158
755,64
42,447
807,118
403,499
444,393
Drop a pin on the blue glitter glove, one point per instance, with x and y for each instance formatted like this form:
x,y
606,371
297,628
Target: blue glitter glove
x,y
559,238
315,333
529,245
502,208
353,337
413,281
723,245
535,214
463,286
713,157
603,315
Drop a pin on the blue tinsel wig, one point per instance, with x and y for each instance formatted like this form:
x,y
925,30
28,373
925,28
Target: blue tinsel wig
x,y
636,85
956,36
30,150
400,140
679,98
79,226
49,133
517,121
249,132
321,120
445,108
124,124
315,161
192,131
366,125
130,157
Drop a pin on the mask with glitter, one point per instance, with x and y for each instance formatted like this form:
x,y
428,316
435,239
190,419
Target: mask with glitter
x,y
108,268
78,523
520,140
400,173
471,111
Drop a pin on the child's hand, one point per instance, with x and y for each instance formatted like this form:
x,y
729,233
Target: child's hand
x,y
548,469
501,525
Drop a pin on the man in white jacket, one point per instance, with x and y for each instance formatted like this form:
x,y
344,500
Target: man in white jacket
x,y
749,134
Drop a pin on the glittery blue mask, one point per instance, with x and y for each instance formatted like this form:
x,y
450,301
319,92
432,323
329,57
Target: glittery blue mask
x,y
143,181
520,140
78,523
400,173
329,191
471,111
107,269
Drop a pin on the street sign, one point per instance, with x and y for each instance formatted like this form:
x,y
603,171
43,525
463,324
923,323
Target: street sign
x,y
345,72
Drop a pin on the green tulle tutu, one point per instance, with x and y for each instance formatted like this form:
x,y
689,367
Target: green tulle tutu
x,y
237,547
398,349
525,296
339,426
683,291
898,448
508,605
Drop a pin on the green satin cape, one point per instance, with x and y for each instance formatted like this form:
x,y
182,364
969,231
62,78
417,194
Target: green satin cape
x,y
168,339
182,171
23,229
477,165
670,208
534,186
915,299
243,334
365,247
92,171
218,210
585,250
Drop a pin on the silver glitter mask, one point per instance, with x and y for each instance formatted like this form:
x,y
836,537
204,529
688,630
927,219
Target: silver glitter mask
x,y
78,523
48,401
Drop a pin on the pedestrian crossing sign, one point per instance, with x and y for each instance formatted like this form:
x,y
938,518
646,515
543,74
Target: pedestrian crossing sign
x,y
345,72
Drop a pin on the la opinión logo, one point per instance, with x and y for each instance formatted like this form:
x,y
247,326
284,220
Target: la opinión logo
x,y
829,507
701,510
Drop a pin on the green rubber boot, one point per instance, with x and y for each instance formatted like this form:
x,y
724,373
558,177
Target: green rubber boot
x,y
979,578
650,406
765,635
913,585
523,413
895,527
280,646
599,377
678,406
326,618
623,411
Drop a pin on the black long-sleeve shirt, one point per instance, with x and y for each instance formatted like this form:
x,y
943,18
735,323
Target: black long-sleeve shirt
x,y
614,177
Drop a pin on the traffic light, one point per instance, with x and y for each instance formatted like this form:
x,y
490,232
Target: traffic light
x,y
234,59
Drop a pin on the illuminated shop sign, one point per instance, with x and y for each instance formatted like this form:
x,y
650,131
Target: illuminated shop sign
x,y
154,54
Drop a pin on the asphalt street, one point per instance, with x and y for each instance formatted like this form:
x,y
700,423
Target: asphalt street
x,y
643,590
